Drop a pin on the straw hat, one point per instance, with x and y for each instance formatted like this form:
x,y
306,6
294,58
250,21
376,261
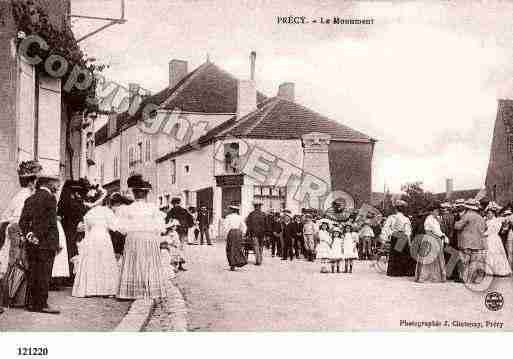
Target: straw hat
x,y
493,206
472,204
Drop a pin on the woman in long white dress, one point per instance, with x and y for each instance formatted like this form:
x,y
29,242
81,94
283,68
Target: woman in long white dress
x,y
496,261
142,275
98,272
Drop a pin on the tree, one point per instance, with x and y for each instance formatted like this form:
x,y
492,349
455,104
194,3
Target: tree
x,y
418,199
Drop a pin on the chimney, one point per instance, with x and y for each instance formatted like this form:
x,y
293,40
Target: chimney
x,y
177,71
246,91
252,60
449,188
286,91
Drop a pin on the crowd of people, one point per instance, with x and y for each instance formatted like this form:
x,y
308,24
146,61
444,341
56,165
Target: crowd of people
x,y
126,247
80,237
461,241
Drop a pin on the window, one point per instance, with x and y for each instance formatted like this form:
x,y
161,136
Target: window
x,y
187,168
231,157
148,151
116,167
167,200
173,171
140,152
102,173
187,198
510,143
271,197
131,157
160,201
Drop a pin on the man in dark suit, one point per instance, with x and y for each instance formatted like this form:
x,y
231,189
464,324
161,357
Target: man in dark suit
x,y
38,223
256,223
204,224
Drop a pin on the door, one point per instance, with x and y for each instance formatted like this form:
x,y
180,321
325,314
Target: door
x,y
205,197
230,196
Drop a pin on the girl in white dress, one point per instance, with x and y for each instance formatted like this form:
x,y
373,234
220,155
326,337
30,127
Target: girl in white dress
x,y
97,272
324,246
336,249
350,249
496,261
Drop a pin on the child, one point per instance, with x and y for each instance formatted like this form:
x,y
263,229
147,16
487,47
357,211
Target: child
x,y
172,248
324,247
366,237
350,250
336,249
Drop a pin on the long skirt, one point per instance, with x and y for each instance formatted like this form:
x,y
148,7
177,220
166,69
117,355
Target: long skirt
x,y
496,260
61,264
234,249
142,275
15,282
400,261
97,270
430,260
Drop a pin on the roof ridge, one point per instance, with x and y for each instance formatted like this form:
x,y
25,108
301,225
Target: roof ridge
x,y
179,90
246,117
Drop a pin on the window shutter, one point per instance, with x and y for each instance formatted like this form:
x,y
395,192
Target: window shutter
x,y
26,115
49,124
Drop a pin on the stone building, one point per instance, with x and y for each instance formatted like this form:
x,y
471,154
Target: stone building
x,y
214,140
499,177
33,118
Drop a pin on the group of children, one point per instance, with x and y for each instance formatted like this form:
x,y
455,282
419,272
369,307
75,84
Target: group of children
x,y
337,244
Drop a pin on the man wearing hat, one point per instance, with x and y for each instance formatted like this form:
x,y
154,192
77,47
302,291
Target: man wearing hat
x,y
256,223
204,224
471,240
12,252
38,223
289,234
183,216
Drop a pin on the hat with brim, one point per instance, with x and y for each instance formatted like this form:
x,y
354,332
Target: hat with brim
x,y
472,204
400,203
507,212
493,206
445,205
336,230
49,176
234,207
137,182
257,203
29,169
173,223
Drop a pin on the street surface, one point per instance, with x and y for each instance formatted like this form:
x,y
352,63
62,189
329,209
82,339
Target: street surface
x,y
295,296
77,314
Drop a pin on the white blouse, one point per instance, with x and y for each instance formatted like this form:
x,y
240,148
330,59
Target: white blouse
x,y
141,217
233,221
396,223
13,211
431,224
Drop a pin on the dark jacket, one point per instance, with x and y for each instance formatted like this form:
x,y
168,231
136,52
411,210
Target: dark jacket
x,y
276,227
203,218
181,215
289,231
39,216
256,223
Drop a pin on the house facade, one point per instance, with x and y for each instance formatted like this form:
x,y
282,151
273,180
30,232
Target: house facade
x,y
34,121
214,140
499,177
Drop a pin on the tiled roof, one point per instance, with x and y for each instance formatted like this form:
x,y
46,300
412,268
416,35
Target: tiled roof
x,y
207,89
276,119
458,194
281,119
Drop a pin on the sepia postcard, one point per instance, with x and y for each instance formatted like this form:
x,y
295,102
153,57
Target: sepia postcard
x,y
255,166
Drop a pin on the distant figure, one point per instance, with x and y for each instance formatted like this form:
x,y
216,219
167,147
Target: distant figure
x,y
234,230
256,223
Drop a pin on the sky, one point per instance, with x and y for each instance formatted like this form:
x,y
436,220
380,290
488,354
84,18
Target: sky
x,y
423,79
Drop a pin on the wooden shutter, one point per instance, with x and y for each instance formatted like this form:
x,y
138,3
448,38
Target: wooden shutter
x,y
26,111
49,124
